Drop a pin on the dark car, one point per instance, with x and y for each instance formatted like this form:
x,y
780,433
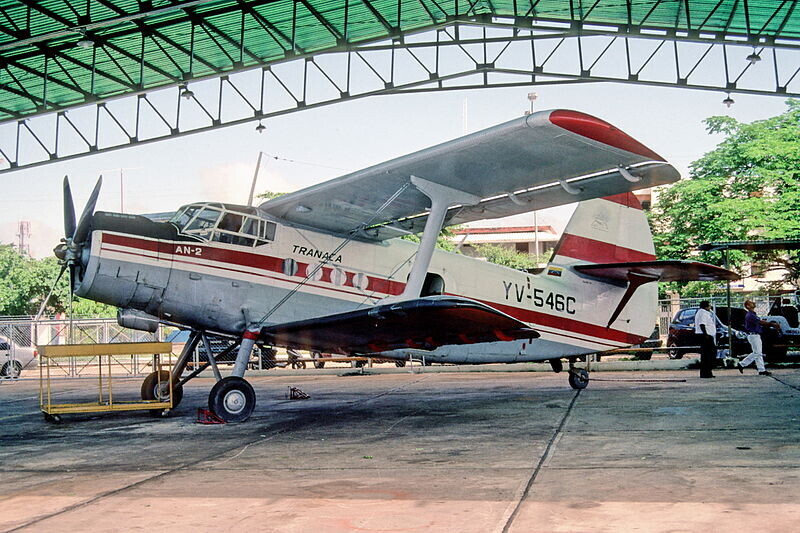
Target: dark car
x,y
681,333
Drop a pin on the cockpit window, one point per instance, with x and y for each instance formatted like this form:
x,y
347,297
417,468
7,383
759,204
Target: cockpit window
x,y
222,224
203,221
183,216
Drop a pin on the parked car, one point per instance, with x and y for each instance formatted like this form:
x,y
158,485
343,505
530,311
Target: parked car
x,y
15,358
681,333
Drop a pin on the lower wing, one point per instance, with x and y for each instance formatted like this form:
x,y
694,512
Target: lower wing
x,y
424,323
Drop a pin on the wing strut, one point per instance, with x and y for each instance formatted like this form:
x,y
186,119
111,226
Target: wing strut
x,y
442,199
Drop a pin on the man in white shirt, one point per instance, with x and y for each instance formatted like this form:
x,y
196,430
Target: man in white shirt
x,y
705,325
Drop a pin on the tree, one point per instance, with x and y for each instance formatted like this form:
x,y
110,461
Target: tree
x,y
25,282
748,187
501,255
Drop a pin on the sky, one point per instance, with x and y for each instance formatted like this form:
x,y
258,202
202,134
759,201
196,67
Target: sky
x,y
315,145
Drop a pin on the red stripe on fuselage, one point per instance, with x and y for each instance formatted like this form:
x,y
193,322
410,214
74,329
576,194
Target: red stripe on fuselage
x,y
240,258
585,249
273,264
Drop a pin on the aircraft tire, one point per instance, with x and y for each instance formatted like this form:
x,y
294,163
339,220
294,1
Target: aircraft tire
x,y
578,379
232,399
150,390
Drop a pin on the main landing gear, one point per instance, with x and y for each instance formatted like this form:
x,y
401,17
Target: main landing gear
x,y
232,398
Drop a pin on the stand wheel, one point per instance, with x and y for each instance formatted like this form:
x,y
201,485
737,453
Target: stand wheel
x,y
578,379
53,419
156,387
232,399
12,369
298,364
358,364
319,364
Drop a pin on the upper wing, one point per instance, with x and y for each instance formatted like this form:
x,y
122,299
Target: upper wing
x,y
541,160
659,270
425,323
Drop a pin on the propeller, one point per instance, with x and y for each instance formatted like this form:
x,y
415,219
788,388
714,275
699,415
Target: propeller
x,y
75,236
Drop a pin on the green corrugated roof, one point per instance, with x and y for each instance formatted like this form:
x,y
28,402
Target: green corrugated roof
x,y
188,39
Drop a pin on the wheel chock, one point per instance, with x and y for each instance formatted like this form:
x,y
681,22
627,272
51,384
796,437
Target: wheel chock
x,y
297,394
204,416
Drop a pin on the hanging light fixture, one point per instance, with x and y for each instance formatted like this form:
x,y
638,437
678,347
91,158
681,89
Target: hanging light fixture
x,y
260,128
728,101
185,91
85,41
754,57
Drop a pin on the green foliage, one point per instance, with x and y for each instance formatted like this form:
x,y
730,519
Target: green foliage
x,y
443,241
269,195
507,257
25,282
748,187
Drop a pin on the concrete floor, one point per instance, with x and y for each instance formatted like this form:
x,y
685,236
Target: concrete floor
x,y
461,452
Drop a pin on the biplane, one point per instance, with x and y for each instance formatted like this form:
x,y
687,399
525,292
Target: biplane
x,y
325,269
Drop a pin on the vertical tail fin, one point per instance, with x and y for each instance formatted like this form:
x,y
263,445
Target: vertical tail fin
x,y
613,229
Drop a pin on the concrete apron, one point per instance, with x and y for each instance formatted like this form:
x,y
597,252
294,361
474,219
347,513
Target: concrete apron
x,y
603,366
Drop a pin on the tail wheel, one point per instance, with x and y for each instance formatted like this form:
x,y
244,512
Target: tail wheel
x,y
318,362
232,399
673,352
156,387
578,379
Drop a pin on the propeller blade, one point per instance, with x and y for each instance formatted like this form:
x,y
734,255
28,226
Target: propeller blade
x,y
69,210
49,294
82,231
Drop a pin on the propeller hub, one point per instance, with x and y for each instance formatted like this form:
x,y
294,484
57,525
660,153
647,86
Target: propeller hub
x,y
60,251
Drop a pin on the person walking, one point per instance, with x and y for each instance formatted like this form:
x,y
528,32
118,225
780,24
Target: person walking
x,y
705,325
753,326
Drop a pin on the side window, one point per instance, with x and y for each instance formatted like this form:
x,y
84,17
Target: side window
x,y
262,230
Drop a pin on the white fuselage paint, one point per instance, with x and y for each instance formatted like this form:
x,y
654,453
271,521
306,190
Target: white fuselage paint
x,y
224,288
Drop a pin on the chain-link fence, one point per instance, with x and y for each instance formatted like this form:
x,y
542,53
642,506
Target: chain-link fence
x,y
20,336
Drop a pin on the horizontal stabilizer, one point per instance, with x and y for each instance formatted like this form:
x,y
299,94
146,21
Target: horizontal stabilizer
x,y
424,323
638,273
659,271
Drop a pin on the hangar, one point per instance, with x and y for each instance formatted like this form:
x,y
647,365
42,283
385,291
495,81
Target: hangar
x,y
78,77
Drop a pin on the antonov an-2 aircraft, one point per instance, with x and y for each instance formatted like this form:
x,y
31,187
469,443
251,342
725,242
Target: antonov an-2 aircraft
x,y
323,268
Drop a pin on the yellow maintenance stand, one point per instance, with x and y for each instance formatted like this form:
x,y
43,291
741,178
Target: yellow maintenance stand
x,y
105,353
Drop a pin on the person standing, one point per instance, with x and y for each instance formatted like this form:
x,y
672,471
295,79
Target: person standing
x,y
705,325
753,326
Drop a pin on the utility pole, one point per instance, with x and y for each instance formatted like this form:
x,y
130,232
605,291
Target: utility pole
x,y
255,177
532,98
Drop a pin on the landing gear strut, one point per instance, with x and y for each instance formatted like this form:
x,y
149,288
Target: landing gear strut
x,y
578,377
